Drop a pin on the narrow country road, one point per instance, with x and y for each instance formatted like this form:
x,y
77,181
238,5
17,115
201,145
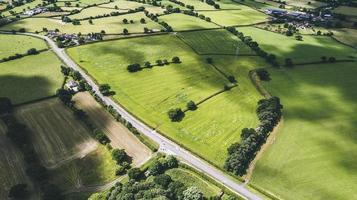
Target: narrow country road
x,y
166,145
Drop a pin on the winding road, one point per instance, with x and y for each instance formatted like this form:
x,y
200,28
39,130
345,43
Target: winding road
x,y
166,145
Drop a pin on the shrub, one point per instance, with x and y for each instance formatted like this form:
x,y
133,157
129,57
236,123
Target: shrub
x,y
134,67
163,179
32,51
176,114
263,74
191,105
176,59
134,173
119,155
101,137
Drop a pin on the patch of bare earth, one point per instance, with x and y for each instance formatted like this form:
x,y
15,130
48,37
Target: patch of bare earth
x,y
119,135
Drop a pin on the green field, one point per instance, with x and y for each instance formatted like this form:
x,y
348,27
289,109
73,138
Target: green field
x,y
57,135
12,44
244,16
215,42
190,178
309,50
26,6
347,36
31,77
305,3
346,10
94,169
111,25
182,22
152,92
314,154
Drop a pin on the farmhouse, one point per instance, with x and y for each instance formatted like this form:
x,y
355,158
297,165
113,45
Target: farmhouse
x,y
72,86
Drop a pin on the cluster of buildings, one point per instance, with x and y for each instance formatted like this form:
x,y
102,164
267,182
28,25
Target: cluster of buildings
x,y
35,11
296,15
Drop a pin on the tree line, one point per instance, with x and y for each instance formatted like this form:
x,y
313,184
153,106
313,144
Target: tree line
x,y
137,67
32,51
241,154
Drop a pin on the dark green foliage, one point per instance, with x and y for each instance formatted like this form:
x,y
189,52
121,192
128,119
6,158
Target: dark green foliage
x,y
176,114
289,62
240,155
32,51
156,168
263,74
176,59
119,155
191,105
135,173
64,95
101,137
209,60
105,89
5,105
18,191
134,67
163,180
65,70
232,79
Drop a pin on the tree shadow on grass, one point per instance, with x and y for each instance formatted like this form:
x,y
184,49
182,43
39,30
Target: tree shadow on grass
x,y
23,89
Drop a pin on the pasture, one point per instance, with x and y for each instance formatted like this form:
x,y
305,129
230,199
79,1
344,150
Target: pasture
x,y
31,77
309,50
347,36
20,9
12,168
214,42
96,168
346,10
111,25
119,135
313,155
182,22
150,93
243,16
58,137
12,44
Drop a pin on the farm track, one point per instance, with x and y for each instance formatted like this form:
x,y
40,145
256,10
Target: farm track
x,y
166,145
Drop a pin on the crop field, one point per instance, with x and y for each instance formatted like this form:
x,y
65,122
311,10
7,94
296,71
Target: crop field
x,y
309,50
31,77
12,44
314,153
111,25
12,169
150,93
347,36
245,16
57,135
346,10
96,168
119,135
181,22
190,178
215,42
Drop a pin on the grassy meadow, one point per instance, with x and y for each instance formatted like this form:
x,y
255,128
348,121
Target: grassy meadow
x,y
309,50
150,93
12,44
313,155
31,77
111,25
182,22
346,10
94,169
57,135
214,42
347,36
243,16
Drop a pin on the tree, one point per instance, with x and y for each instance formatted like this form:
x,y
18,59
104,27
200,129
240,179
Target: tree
x,y
125,21
176,59
90,21
18,191
192,193
209,60
298,37
159,62
289,62
134,67
119,155
232,79
125,31
32,51
323,58
142,20
37,172
134,173
76,75
191,105
170,162
176,190
176,114
101,137
147,64
5,105
332,59
65,70
163,179
263,74
155,168
64,95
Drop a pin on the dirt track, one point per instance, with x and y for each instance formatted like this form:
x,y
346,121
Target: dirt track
x,y
119,135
